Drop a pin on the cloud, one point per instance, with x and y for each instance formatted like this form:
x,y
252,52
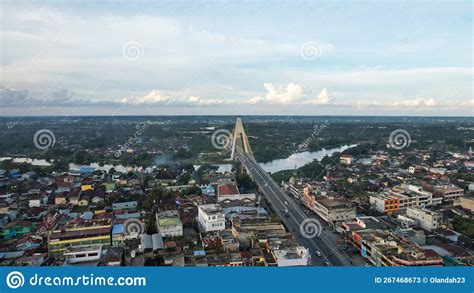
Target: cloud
x,y
256,100
279,95
10,97
468,103
323,98
361,106
63,98
412,103
277,100
154,97
417,102
291,94
13,97
42,41
200,101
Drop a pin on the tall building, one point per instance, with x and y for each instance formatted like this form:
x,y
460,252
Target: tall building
x,y
387,248
425,218
211,217
334,210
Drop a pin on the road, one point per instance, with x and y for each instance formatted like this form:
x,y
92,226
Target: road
x,y
281,202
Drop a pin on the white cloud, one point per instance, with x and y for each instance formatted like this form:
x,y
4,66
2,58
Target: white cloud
x,y
291,94
49,46
154,97
323,98
280,95
256,100
361,106
468,103
417,102
208,102
412,104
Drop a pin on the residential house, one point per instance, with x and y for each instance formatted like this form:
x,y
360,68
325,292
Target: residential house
x,y
17,228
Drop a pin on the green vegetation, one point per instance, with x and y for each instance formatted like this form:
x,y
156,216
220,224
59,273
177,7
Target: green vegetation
x,y
465,226
187,140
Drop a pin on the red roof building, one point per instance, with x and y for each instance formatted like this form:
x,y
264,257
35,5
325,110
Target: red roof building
x,y
227,189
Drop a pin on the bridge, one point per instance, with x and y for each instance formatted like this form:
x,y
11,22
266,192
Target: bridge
x,y
322,249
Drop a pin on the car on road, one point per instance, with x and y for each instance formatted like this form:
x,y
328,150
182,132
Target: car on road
x,y
168,261
286,202
326,263
318,253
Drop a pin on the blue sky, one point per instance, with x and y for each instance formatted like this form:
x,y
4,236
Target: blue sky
x,y
236,57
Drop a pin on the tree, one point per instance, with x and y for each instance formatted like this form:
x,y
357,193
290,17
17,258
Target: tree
x,y
183,179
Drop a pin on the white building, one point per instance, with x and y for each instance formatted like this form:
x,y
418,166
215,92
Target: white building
x,y
295,190
211,217
440,171
385,203
426,219
345,159
415,169
449,192
169,225
84,254
298,256
34,202
365,161
403,197
334,209
412,196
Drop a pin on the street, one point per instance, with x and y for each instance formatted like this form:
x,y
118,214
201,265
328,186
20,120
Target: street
x,y
293,215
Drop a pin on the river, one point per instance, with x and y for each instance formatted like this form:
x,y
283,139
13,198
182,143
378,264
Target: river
x,y
298,159
301,159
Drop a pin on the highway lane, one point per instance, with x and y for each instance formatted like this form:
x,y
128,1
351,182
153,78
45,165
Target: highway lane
x,y
280,202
